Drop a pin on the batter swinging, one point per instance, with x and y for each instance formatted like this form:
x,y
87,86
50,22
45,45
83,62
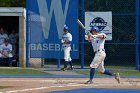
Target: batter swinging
x,y
97,40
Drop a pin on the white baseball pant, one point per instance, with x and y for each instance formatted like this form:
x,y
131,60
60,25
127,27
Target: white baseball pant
x,y
67,50
98,61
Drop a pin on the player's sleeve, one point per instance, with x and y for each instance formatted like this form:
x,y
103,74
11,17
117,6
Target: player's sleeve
x,y
1,48
62,40
6,36
104,36
70,38
10,48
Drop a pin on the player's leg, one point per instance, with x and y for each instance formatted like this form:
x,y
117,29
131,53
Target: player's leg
x,y
66,56
1,57
94,64
10,61
102,70
99,57
70,60
116,75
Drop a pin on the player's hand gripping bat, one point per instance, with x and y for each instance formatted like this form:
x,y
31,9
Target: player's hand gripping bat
x,y
86,35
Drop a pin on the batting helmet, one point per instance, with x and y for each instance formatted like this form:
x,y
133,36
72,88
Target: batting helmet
x,y
95,28
66,27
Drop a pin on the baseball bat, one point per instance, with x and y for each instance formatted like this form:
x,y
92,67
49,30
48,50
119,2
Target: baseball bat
x,y
81,25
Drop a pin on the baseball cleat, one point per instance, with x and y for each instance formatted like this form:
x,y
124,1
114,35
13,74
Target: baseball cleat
x,y
64,69
10,65
117,77
89,82
71,68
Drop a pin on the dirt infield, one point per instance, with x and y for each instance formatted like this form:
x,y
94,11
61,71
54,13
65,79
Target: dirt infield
x,y
44,85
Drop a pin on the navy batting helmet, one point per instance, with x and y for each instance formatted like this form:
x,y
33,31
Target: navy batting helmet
x,y
66,27
95,28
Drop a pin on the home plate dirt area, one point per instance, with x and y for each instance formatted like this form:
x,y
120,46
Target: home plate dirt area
x,y
45,85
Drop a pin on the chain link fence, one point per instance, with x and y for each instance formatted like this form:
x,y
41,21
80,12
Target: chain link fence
x,y
121,51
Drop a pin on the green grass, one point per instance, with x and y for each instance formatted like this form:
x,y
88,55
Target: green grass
x,y
2,87
122,72
19,71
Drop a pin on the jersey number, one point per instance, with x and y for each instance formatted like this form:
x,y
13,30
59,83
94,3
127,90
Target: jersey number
x,y
97,41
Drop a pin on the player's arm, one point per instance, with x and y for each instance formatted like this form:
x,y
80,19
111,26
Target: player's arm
x,y
10,49
1,49
69,39
101,36
90,38
62,40
67,42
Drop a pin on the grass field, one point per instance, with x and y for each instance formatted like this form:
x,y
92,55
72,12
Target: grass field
x,y
24,71
2,87
20,71
121,71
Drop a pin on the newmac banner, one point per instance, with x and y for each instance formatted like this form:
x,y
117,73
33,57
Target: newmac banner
x,y
103,20
46,20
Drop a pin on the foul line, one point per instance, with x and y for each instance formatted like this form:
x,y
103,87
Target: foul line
x,y
40,88
55,80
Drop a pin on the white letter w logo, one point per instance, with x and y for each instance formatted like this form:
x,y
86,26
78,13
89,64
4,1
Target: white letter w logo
x,y
60,17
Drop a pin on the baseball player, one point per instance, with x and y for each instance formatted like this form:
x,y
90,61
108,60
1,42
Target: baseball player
x,y
66,43
13,37
6,51
97,40
2,36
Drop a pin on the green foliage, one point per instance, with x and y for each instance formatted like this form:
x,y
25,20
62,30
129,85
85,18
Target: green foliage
x,y
12,3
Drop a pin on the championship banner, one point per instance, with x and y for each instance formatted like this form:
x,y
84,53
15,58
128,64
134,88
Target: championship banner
x,y
45,23
103,20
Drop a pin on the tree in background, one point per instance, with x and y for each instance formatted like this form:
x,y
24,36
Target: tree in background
x,y
12,3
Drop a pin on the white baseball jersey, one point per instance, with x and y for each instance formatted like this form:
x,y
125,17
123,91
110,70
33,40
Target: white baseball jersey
x,y
6,49
98,47
2,37
98,43
67,37
67,47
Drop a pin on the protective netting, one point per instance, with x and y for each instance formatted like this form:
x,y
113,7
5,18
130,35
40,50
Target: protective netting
x,y
116,6
121,51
